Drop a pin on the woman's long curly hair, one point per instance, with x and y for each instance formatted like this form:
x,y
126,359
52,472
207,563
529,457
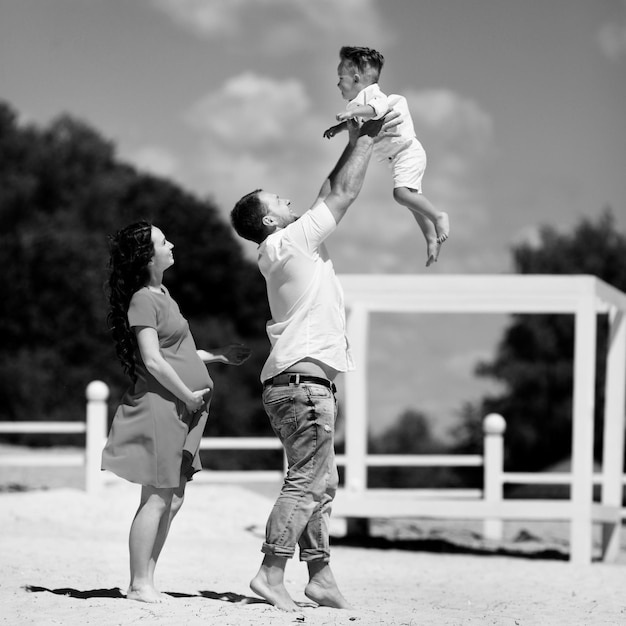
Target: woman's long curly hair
x,y
131,249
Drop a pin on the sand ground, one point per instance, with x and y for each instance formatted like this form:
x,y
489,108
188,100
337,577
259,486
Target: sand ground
x,y
63,556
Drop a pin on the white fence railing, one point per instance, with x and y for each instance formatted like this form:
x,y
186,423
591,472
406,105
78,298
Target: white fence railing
x,y
95,428
355,501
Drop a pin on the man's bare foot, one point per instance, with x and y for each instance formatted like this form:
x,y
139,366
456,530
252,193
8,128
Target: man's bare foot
x,y
144,593
442,226
326,596
322,587
276,593
432,251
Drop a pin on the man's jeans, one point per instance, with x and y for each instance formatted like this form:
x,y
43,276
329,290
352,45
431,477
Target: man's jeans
x,y
303,417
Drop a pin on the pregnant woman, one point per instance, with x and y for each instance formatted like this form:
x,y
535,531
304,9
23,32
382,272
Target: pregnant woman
x,y
155,435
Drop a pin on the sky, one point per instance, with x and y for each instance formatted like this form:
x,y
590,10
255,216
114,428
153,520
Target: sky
x,y
520,106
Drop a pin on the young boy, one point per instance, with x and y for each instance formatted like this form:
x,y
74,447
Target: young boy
x,y
359,70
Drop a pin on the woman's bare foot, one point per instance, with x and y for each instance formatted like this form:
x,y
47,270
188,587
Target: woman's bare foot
x,y
144,593
442,226
275,593
322,587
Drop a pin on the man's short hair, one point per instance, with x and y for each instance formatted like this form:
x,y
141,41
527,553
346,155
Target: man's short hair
x,y
366,61
247,217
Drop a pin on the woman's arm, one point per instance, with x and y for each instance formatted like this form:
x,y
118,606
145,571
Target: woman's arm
x,y
148,342
232,354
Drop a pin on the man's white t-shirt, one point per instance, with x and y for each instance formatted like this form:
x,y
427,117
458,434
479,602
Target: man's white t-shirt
x,y
305,297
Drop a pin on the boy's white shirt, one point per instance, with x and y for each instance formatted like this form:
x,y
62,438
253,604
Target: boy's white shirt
x,y
372,95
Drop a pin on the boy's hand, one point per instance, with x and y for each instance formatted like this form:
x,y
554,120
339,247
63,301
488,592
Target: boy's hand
x,y
332,131
344,116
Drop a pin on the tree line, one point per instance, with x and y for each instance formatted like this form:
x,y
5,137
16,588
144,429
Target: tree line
x,y
533,365
63,192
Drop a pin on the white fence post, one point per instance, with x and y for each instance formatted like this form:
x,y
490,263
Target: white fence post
x,y
613,442
494,426
356,404
583,405
96,431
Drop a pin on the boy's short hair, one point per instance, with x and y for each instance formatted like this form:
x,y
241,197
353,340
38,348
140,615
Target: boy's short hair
x,y
247,217
366,61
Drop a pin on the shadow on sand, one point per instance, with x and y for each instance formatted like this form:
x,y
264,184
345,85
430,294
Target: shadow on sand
x,y
82,595
447,546
116,592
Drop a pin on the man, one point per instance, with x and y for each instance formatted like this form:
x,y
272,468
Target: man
x,y
308,349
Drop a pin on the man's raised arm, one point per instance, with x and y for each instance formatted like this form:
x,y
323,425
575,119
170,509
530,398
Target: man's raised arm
x,y
344,183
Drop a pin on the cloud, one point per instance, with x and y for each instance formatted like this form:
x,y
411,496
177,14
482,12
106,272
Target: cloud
x,y
459,123
155,160
218,17
285,24
463,363
612,36
612,40
250,112
255,131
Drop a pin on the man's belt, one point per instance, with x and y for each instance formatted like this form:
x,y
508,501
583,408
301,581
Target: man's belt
x,y
296,379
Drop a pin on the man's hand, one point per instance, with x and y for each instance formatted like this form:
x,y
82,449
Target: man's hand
x,y
232,354
236,354
383,127
392,121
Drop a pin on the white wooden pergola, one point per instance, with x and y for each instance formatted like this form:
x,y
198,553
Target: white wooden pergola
x,y
582,296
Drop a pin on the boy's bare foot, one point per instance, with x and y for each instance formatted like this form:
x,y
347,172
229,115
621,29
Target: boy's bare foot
x,y
276,593
322,587
442,226
432,251
144,593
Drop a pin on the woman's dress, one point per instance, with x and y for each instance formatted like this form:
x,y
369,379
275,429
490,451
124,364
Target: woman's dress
x,y
153,439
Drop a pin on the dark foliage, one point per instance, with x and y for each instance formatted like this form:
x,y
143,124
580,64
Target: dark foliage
x,y
62,192
534,360
411,434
